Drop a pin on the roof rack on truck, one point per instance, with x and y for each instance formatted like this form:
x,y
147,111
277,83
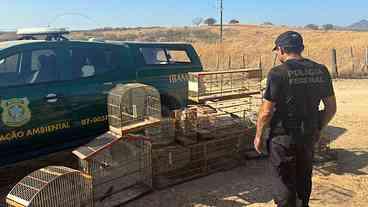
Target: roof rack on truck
x,y
52,34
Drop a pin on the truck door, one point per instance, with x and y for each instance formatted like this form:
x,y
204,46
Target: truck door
x,y
96,68
34,113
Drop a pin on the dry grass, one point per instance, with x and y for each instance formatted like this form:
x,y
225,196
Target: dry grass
x,y
154,34
251,42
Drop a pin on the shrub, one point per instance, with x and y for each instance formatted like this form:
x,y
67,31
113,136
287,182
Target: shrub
x,y
234,21
328,27
312,26
197,21
210,21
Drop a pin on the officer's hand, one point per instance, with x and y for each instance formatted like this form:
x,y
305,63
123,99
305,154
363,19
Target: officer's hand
x,y
258,143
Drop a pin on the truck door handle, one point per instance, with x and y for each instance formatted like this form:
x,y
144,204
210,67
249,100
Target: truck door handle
x,y
108,83
51,98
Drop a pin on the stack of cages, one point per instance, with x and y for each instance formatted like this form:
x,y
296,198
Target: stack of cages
x,y
221,134
120,168
215,147
119,161
52,186
132,107
236,92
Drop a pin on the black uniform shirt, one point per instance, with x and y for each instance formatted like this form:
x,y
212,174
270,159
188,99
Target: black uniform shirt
x,y
297,88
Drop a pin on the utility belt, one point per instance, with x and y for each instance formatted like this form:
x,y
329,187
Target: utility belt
x,y
287,127
293,130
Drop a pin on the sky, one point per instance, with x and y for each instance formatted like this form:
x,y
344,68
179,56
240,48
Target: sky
x,y
87,14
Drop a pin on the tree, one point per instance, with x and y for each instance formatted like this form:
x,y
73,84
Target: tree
x,y
327,27
234,21
312,26
267,23
210,21
197,21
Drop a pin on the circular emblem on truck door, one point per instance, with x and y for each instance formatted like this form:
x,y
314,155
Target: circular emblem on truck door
x,y
16,112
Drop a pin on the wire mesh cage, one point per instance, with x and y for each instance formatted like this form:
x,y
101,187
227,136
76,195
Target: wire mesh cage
x,y
176,163
133,106
214,120
52,186
120,168
208,140
245,111
204,86
162,134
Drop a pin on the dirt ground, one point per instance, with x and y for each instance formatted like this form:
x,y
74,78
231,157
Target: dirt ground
x,y
338,182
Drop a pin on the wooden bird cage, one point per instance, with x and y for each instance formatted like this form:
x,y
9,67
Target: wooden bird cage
x,y
132,107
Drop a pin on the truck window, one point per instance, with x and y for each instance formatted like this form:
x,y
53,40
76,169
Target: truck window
x,y
88,62
9,70
154,56
178,56
164,56
43,67
9,64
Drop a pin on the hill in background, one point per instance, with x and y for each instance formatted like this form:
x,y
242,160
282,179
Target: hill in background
x,y
359,26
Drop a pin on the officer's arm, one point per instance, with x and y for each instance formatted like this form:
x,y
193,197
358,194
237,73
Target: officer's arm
x,y
329,112
271,95
264,117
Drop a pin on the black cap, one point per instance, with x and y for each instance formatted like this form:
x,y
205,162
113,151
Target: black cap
x,y
289,39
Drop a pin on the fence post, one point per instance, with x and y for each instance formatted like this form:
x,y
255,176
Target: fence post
x,y
229,63
334,63
352,59
274,59
243,60
218,62
365,63
261,76
365,60
260,62
308,52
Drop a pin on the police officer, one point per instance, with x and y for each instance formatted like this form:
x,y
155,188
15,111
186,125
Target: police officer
x,y
291,107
